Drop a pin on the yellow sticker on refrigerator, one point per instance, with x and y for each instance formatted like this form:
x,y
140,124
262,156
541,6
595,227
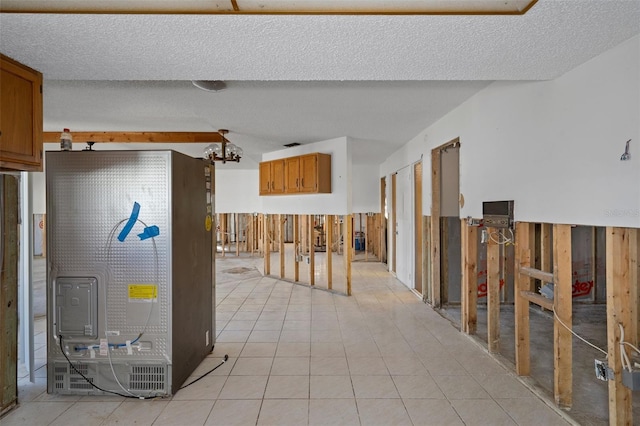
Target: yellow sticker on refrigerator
x,y
142,292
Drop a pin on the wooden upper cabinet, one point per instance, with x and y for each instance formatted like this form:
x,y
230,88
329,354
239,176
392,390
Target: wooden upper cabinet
x,y
277,177
272,177
20,116
292,175
310,173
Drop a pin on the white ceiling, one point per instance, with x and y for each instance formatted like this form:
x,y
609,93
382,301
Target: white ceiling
x,y
377,79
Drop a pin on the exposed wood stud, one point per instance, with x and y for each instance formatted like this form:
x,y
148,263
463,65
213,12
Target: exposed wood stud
x,y
545,277
281,220
328,226
9,215
435,228
266,245
538,299
223,231
634,283
618,312
562,338
493,294
348,230
546,251
312,262
444,260
238,233
426,269
469,294
296,247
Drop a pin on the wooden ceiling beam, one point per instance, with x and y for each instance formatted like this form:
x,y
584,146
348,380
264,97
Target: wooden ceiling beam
x,y
137,137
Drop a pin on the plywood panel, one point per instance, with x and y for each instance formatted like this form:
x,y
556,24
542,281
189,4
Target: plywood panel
x,y
8,292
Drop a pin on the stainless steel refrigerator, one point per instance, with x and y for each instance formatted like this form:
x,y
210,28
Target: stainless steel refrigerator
x,y
130,270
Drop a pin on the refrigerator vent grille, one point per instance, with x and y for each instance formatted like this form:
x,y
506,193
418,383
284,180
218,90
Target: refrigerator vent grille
x,y
147,377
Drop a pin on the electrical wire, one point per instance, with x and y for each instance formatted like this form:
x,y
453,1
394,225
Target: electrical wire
x,y
572,332
226,357
106,328
624,358
502,239
96,386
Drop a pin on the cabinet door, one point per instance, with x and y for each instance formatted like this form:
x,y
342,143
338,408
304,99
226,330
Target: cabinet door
x,y
292,175
20,116
277,177
309,173
265,178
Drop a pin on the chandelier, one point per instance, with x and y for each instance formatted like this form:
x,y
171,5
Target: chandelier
x,y
223,151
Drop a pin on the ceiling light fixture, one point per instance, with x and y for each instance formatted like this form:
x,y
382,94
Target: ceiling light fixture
x,y
210,85
225,151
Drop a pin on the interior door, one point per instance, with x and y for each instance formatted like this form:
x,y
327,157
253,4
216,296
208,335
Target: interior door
x,y
405,237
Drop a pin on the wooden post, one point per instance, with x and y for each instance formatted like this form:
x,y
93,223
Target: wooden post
x,y
223,230
348,231
296,247
426,267
281,219
618,304
524,232
312,261
266,246
328,225
366,233
469,294
493,293
435,228
9,215
546,252
562,338
237,234
634,282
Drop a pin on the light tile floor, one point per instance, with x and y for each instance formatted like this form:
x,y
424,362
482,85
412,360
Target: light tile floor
x,y
302,356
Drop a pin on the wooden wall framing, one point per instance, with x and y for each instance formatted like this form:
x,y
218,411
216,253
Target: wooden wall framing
x,y
469,268
9,292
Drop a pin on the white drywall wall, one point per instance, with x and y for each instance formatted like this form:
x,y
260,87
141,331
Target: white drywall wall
x,y
338,202
237,191
365,184
553,147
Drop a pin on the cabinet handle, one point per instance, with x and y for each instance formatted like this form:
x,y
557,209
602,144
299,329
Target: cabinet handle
x,y
296,182
302,182
268,184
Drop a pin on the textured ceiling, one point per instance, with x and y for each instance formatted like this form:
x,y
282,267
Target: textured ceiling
x,y
550,39
378,79
262,116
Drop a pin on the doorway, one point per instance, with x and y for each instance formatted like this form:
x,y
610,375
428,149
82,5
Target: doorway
x,y
445,223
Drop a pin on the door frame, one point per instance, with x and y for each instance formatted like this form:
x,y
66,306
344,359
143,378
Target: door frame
x,y
436,198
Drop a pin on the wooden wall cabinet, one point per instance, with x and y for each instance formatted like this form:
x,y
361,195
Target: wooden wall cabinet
x,y
310,173
20,116
272,177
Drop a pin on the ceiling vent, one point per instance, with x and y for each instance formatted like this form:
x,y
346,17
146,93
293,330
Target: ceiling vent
x,y
290,145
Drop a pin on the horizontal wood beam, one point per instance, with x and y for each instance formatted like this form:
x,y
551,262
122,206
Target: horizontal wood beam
x,y
139,137
538,299
546,277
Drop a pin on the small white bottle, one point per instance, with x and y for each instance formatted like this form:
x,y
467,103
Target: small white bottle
x,y
66,140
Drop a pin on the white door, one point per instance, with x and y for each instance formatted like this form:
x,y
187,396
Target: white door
x,y
405,237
